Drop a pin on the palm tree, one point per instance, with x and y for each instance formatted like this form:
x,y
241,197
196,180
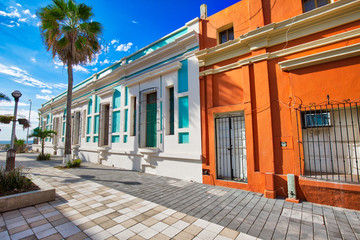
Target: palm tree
x,y
4,97
67,30
42,134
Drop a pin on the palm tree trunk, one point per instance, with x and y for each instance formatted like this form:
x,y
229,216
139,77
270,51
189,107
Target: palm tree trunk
x,y
68,114
42,146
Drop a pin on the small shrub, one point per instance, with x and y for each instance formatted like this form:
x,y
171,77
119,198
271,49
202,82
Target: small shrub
x,y
13,180
74,163
43,157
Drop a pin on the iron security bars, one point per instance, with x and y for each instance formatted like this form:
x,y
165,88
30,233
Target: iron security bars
x,y
231,161
330,141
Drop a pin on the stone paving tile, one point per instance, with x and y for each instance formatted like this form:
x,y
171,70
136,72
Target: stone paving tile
x,y
164,208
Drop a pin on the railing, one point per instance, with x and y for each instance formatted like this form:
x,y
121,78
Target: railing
x,y
329,141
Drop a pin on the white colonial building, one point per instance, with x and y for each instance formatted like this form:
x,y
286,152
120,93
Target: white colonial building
x,y
142,113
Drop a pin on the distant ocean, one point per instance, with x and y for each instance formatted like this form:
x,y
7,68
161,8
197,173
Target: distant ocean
x,y
8,142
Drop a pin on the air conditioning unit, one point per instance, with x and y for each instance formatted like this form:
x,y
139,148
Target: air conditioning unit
x,y
316,119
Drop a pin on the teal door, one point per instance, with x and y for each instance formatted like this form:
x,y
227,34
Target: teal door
x,y
151,120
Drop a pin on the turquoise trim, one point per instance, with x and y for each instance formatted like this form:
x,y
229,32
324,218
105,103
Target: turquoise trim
x,y
90,107
136,73
88,139
183,77
183,137
155,46
126,120
125,138
115,138
161,136
63,130
63,139
88,127
97,104
183,112
96,124
116,122
96,139
116,99
161,116
126,95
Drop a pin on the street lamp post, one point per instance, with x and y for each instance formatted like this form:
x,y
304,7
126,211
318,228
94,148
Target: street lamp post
x,y
27,135
10,158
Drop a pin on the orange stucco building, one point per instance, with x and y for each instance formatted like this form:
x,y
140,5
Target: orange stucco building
x,y
280,91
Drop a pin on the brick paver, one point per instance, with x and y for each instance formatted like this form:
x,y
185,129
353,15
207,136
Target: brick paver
x,y
85,209
232,210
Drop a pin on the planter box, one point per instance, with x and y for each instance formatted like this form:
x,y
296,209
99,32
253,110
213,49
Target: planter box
x,y
20,200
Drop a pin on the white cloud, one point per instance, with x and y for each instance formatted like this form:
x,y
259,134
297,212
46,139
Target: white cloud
x,y
114,41
21,76
7,25
44,97
46,91
27,11
104,48
133,21
60,85
13,14
124,47
18,4
12,104
79,68
106,61
23,19
33,59
95,69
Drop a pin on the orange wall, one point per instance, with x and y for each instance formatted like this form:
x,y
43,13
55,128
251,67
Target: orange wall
x,y
264,92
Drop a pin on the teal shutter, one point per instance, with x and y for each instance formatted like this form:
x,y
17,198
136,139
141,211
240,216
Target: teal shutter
x,y
116,99
126,120
183,112
90,107
151,120
183,77
116,122
172,111
88,130
96,124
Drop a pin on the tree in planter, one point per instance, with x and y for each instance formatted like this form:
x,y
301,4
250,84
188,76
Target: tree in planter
x,y
42,135
71,35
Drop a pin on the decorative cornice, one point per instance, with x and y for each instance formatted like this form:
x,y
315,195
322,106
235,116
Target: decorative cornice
x,y
281,53
323,57
153,74
317,20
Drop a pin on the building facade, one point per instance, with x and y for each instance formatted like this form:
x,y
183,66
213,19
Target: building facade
x,y
279,88
142,113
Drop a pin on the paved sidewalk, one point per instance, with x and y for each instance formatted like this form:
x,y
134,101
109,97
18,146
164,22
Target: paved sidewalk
x,y
234,209
88,210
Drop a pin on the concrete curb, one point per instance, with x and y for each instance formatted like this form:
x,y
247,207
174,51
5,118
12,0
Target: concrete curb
x,y
20,200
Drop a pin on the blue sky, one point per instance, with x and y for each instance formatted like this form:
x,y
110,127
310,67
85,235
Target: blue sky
x,y
25,64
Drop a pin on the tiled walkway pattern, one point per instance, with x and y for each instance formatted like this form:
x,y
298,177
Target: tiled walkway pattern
x,y
85,209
